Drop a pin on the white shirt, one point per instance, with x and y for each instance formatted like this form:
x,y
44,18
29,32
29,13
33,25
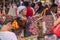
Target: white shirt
x,y
7,36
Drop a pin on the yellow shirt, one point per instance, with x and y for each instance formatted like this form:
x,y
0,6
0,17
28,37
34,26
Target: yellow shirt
x,y
15,24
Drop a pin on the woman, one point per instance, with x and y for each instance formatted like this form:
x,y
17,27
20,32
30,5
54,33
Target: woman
x,y
19,22
5,33
22,11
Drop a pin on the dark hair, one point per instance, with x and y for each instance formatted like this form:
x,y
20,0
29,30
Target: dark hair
x,y
54,5
7,21
33,5
42,8
25,3
46,5
39,4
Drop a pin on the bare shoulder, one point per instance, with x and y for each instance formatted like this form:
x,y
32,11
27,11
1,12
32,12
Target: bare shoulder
x,y
58,19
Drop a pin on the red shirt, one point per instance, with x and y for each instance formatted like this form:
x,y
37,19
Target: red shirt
x,y
29,12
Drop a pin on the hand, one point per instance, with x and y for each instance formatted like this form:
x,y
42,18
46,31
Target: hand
x,y
24,18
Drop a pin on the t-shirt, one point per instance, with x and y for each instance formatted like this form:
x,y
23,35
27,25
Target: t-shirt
x,y
7,36
29,12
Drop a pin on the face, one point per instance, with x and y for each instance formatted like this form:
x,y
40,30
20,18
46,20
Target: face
x,y
24,12
9,26
54,9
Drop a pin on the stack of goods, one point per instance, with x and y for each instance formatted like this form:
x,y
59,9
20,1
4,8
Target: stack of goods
x,y
33,26
48,24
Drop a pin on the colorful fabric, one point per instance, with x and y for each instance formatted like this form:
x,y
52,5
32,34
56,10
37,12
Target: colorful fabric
x,y
49,23
33,27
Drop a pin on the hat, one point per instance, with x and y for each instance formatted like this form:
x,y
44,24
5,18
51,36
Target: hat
x,y
20,8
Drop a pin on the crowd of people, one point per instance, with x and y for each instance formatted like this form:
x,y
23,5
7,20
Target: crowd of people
x,y
20,20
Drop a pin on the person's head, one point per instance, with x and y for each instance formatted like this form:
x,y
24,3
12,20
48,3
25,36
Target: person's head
x,y
25,3
46,6
38,5
6,26
53,8
20,22
33,5
22,10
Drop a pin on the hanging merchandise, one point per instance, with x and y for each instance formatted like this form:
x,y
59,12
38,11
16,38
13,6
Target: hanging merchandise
x,y
13,11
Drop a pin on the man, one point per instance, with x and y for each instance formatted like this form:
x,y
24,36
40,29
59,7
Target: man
x,y
51,15
52,11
